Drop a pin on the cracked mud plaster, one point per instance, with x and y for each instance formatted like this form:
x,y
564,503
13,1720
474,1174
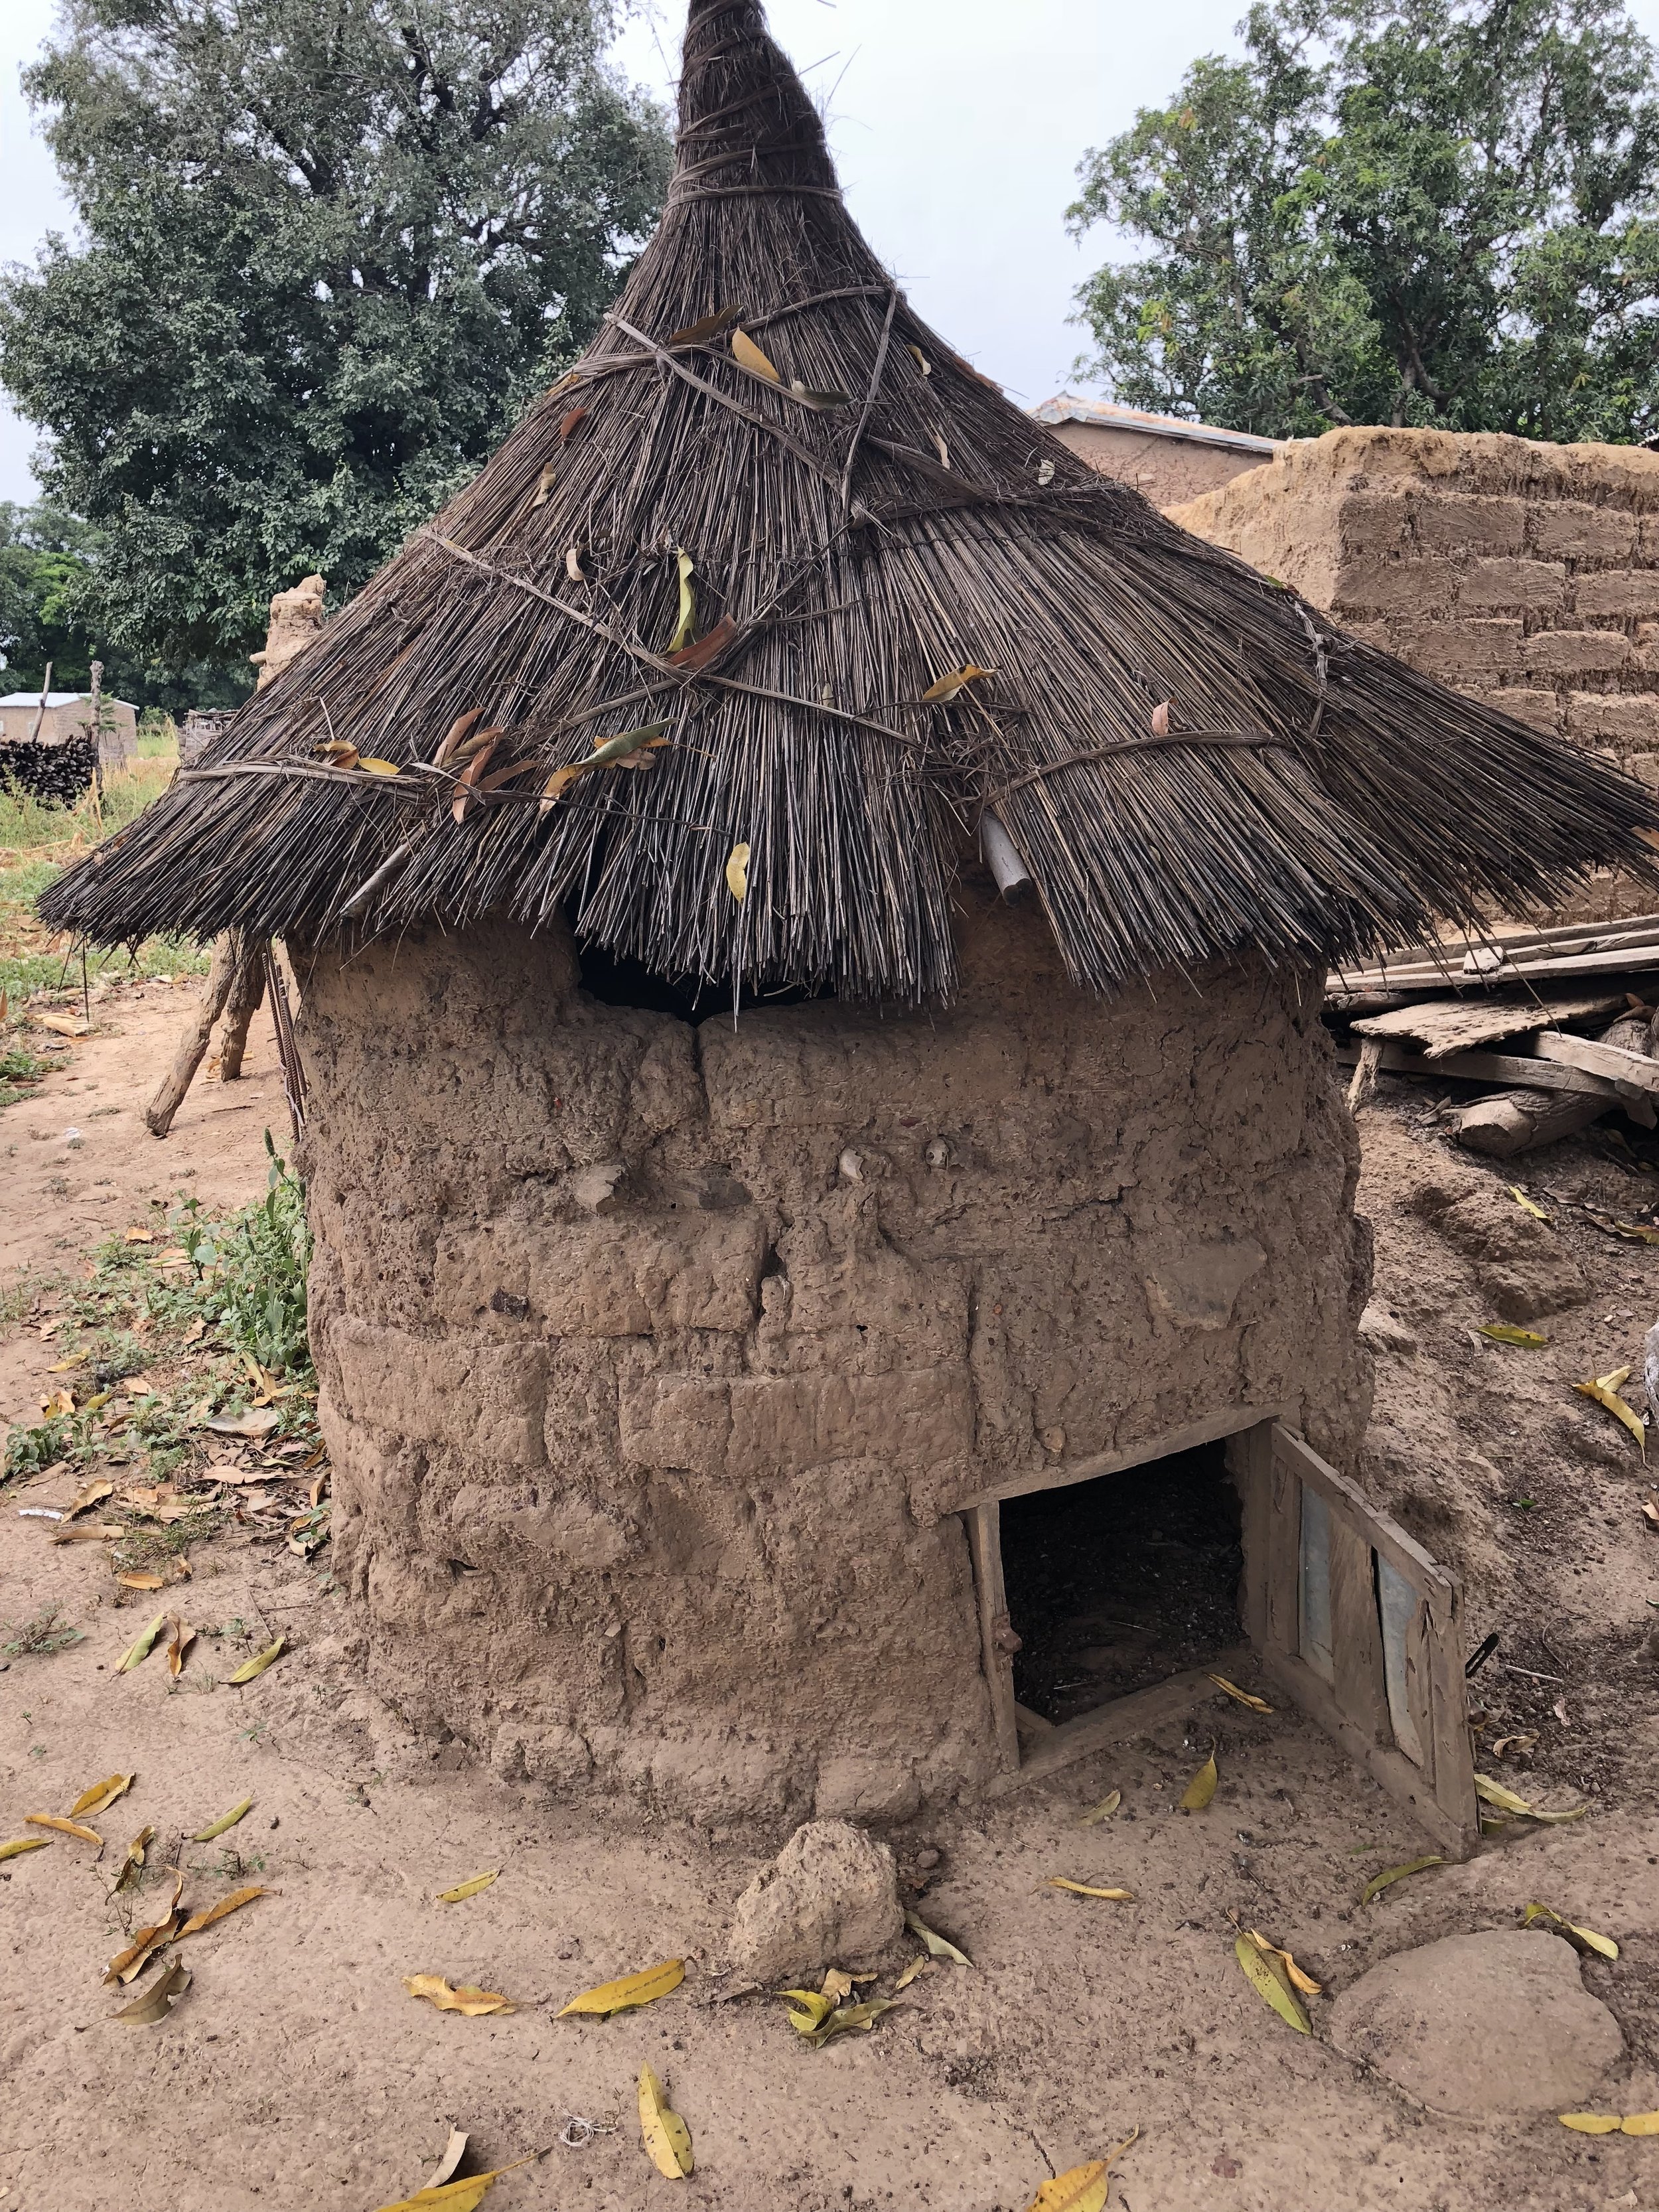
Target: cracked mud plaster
x,y
664,1499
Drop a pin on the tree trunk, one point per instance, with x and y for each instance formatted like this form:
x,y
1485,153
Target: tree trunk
x,y
158,1115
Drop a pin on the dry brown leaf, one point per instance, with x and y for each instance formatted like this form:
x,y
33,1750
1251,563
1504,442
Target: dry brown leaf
x,y
102,1795
952,686
64,1827
707,327
158,2001
572,423
457,735
921,1965
1604,1389
62,1025
474,2004
93,1494
468,778
1244,1697
737,873
132,1864
454,2152
142,1581
1103,1811
836,1985
744,350
631,1990
1202,1787
128,1965
706,649
939,1946
1083,1889
234,1903
1161,719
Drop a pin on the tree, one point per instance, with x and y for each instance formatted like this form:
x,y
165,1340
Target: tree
x,y
331,249
1417,211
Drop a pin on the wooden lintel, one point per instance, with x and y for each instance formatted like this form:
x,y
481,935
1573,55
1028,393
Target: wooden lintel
x,y
1212,1430
1121,1721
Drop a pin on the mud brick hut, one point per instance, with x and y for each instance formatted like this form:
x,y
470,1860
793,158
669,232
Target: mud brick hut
x,y
1168,460
829,1191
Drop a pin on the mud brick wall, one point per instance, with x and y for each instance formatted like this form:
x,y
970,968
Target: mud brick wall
x,y
658,1360
1525,574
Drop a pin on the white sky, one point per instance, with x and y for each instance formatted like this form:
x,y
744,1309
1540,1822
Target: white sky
x,y
958,125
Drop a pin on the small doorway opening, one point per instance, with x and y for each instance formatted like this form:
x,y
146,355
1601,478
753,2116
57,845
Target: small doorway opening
x,y
1117,1583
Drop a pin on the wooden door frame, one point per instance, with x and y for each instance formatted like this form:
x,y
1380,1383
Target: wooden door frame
x,y
1266,1461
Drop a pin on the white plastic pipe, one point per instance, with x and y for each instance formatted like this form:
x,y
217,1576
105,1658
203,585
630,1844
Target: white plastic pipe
x,y
1004,862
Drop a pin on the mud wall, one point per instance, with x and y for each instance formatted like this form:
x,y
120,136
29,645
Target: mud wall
x,y
1167,471
1524,574
656,1360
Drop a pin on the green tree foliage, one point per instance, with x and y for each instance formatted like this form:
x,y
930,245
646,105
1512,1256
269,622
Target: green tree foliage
x,y
1409,211
330,250
48,560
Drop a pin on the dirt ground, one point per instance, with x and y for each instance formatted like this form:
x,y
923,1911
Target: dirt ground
x,y
296,2072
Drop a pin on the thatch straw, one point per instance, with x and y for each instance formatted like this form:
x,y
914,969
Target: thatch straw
x,y
1311,798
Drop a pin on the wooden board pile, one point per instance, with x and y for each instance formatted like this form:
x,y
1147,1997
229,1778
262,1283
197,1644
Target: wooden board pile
x,y
1572,1009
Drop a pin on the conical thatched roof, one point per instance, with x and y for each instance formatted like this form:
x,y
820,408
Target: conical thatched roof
x,y
1300,794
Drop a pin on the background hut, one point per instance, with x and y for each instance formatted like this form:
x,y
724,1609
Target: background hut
x,y
750,1251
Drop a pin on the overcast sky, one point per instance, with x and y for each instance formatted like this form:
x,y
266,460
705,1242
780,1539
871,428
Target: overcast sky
x,y
957,124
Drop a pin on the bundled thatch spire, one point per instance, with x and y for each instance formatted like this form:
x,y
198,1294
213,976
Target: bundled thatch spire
x,y
774,521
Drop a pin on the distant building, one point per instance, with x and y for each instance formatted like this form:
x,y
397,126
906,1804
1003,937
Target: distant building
x,y
1161,456
68,716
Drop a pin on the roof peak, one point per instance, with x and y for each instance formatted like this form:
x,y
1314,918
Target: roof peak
x,y
747,125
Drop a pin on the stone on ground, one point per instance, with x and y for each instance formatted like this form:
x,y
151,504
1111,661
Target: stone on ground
x,y
1478,2026
830,1899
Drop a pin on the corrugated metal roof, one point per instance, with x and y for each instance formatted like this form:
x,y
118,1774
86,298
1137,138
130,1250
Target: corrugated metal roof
x,y
1107,415
53,698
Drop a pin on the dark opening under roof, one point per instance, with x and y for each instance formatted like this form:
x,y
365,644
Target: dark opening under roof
x,y
767,458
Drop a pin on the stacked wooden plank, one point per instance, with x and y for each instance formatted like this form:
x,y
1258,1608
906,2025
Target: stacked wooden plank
x,y
1434,1010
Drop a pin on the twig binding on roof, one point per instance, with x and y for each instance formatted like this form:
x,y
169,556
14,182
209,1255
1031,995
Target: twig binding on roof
x,y
845,515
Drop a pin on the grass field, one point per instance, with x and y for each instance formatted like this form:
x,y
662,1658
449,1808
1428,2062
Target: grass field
x,y
38,841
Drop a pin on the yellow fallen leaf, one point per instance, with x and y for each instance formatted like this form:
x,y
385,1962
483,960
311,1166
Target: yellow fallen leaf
x,y
1526,1204
1604,1389
234,1903
744,350
951,686
1103,1811
102,1795
737,873
475,2004
1272,1985
372,766
1641,2124
142,1581
836,1985
20,1844
1082,1889
1202,1787
1244,1697
1592,2124
808,2010
1501,1333
686,628
846,2016
463,1890
64,1827
128,1965
132,1864
937,1944
257,1665
141,1646
140,1236
1390,1875
921,1965
1081,2189
1587,1938
623,1995
667,2136
455,2196
225,1820
1304,1982
159,1999
92,1493
180,1641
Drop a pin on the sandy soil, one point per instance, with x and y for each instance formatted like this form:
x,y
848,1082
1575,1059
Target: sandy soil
x,y
297,2072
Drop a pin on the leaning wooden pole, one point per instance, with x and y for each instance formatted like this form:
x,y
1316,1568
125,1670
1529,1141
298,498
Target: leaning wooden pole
x,y
158,1115
247,989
